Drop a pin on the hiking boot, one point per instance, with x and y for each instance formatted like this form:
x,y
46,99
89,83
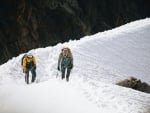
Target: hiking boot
x,y
62,77
67,79
27,81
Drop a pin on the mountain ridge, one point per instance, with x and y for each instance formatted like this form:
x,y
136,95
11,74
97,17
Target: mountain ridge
x,y
29,24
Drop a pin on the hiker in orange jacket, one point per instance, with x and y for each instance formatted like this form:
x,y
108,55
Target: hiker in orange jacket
x,y
29,64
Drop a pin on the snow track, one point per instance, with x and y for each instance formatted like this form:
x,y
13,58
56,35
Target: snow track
x,y
100,61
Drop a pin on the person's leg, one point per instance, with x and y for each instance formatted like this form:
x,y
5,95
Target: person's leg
x,y
27,77
33,75
62,72
68,74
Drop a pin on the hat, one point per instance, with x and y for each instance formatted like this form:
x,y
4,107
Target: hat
x,y
29,54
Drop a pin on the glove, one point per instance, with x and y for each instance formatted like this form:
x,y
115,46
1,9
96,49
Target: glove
x,y
71,66
58,68
24,70
35,67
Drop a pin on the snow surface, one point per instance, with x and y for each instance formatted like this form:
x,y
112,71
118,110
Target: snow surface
x,y
100,61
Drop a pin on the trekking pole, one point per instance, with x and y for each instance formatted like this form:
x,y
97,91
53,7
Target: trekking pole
x,y
57,74
58,71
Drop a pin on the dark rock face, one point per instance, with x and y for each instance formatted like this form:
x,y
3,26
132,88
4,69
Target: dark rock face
x,y
27,24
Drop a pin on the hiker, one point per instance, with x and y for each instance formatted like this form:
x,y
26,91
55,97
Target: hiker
x,y
65,62
29,64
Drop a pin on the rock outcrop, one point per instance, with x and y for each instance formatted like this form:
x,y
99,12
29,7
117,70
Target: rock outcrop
x,y
28,24
136,84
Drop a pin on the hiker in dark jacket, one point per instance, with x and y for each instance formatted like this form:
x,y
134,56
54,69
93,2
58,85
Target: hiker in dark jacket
x,y
65,62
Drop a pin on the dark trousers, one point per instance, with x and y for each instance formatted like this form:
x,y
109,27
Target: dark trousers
x,y
63,70
27,75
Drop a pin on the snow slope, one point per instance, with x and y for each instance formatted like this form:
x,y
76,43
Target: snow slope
x,y
100,61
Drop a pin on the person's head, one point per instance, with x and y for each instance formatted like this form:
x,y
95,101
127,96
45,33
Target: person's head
x,y
65,51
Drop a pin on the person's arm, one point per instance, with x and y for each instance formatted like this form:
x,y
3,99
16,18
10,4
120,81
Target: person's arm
x,y
34,61
59,60
71,61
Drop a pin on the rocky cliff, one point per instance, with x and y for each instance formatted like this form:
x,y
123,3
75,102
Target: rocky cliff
x,y
27,24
